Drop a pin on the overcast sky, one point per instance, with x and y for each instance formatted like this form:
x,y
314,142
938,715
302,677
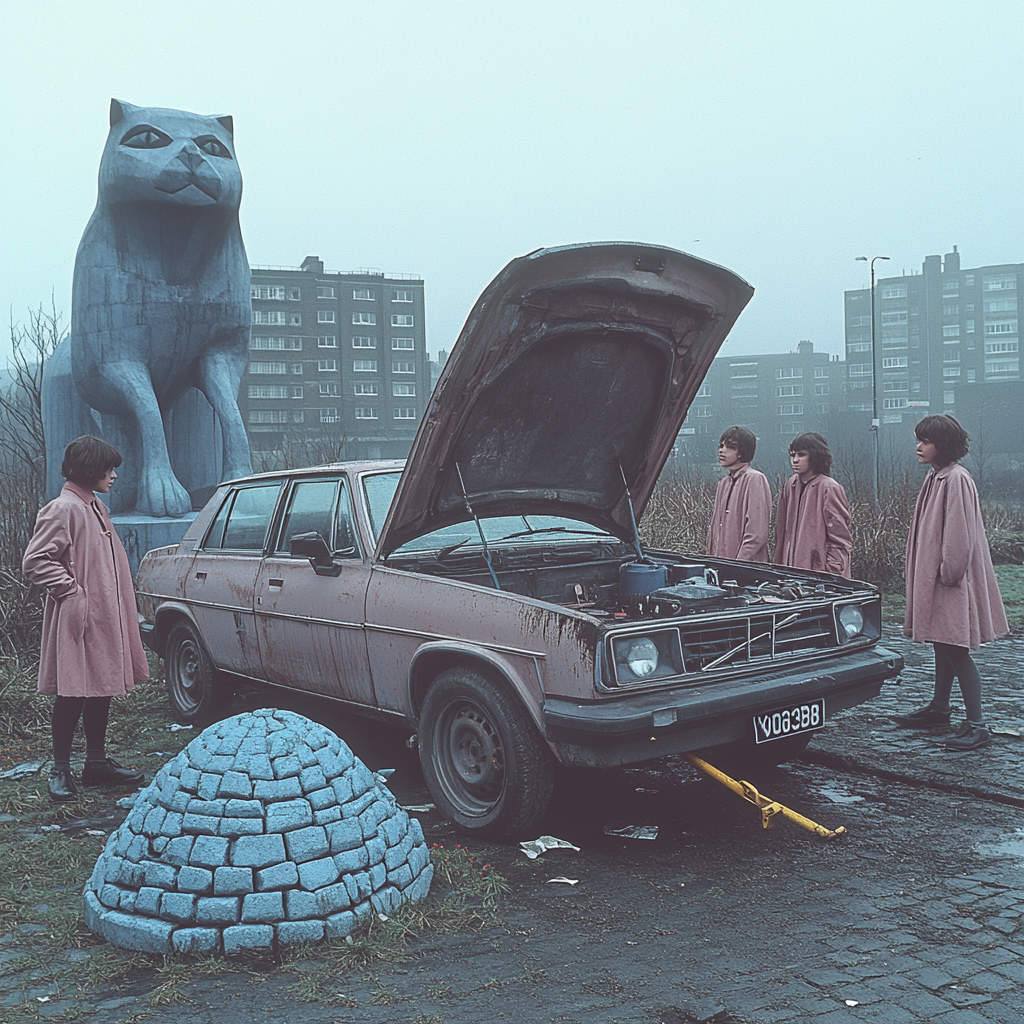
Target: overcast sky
x,y
443,139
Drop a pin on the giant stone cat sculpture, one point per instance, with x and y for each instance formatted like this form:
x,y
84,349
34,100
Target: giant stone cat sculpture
x,y
160,305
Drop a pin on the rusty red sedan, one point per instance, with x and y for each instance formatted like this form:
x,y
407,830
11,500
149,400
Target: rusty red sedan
x,y
492,594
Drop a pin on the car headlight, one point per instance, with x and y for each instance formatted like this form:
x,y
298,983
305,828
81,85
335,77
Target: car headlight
x,y
642,657
851,621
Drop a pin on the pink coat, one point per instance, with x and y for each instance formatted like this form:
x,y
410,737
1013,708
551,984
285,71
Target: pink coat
x,y
742,515
952,593
91,642
812,526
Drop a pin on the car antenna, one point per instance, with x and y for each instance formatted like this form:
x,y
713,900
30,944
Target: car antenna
x,y
640,557
480,529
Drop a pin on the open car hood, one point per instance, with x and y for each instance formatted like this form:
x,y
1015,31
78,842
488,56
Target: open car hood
x,y
574,362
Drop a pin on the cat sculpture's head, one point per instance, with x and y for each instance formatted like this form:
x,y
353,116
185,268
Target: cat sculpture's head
x,y
154,155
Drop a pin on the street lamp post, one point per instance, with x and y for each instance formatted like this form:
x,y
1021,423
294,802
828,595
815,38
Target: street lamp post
x,y
874,381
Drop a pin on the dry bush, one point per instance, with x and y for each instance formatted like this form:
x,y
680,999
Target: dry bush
x,y
678,514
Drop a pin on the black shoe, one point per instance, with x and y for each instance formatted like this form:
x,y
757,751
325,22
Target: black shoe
x,y
61,787
969,737
109,773
923,718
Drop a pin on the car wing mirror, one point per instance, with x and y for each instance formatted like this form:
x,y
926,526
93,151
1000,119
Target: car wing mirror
x,y
314,547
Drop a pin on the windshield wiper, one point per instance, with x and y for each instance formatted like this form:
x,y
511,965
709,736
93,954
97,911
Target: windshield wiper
x,y
558,529
445,552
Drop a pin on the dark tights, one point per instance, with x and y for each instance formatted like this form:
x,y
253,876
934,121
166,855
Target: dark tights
x,y
94,712
955,661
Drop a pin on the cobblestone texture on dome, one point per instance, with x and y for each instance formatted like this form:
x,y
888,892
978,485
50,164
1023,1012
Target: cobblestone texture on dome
x,y
264,831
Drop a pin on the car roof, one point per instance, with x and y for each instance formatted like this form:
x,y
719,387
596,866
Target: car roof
x,y
355,466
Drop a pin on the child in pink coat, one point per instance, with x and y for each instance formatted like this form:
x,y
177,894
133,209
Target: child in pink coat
x,y
953,599
812,524
743,502
92,650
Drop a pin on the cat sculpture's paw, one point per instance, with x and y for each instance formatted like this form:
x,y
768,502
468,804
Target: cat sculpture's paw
x,y
162,496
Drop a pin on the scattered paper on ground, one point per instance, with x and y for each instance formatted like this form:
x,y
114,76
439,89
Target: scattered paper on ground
x,y
49,828
634,832
175,727
417,808
533,848
996,730
564,881
22,771
851,1002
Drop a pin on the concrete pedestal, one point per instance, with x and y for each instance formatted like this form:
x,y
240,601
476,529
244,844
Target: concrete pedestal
x,y
140,534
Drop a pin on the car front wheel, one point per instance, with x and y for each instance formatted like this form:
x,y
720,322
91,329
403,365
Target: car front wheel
x,y
483,761
197,693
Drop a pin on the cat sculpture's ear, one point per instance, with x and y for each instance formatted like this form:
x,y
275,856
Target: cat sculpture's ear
x,y
119,110
229,123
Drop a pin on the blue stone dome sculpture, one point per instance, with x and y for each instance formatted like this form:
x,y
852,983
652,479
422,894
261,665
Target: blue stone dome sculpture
x,y
264,831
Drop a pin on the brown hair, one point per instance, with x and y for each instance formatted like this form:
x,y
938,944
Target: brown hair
x,y
950,439
817,448
742,440
86,459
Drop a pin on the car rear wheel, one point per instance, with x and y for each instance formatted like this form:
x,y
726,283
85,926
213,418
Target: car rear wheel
x,y
197,692
483,761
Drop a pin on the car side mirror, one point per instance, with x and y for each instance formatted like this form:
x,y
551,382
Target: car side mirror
x,y
314,547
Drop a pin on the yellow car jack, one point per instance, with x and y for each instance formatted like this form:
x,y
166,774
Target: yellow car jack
x,y
768,808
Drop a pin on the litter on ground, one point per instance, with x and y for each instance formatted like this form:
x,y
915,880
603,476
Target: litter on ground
x,y
22,771
533,848
634,832
564,881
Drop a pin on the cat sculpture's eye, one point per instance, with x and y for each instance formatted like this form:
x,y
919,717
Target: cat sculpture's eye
x,y
213,146
145,136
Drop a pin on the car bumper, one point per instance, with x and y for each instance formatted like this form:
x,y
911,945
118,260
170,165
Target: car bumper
x,y
148,631
642,726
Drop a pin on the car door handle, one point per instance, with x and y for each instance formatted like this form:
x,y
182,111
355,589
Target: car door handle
x,y
200,576
275,583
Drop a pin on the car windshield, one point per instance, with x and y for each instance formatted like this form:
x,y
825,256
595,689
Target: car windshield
x,y
380,489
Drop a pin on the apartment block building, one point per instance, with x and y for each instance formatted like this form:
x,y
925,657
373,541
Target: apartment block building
x,y
936,332
338,365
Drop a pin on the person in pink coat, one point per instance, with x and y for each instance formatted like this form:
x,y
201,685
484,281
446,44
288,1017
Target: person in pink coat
x,y
953,599
812,522
91,649
743,502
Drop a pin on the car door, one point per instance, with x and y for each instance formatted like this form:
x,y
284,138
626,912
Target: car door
x,y
309,626
222,580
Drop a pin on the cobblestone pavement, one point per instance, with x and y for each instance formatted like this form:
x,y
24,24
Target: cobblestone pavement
x,y
914,915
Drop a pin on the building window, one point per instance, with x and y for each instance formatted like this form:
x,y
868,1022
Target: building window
x,y
791,427
791,409
970,326
329,390
401,320
327,365
397,367
365,389
890,362
295,368
949,287
951,331
947,397
821,389
268,316
860,346
704,391
296,391
366,412
268,391
294,319
268,368
329,414
821,371
1002,283
969,280
894,318
821,408
893,417
364,365
999,305
402,295
894,291
259,343
272,291
970,376
402,343
365,318
294,294
951,355
702,411
992,347
950,371
268,415
324,291
327,341
325,316
403,390
789,390
896,385
860,369
950,309
858,336
298,416
1002,327
363,294
789,372
362,341
894,403
1002,368
859,321
405,414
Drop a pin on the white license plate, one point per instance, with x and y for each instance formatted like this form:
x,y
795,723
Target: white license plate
x,y
797,718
